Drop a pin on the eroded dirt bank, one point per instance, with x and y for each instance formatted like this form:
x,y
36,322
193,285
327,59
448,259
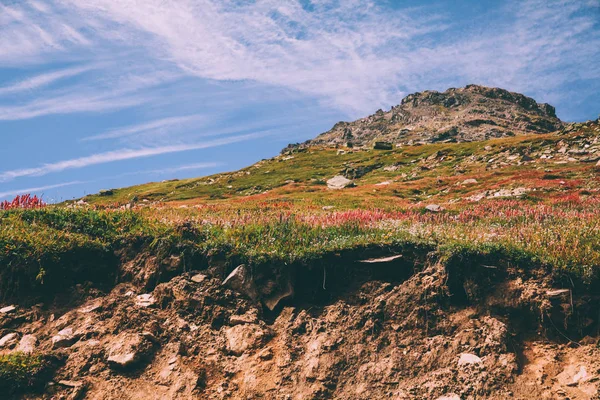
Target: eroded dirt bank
x,y
366,325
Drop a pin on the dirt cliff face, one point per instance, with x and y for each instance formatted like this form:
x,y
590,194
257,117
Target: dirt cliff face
x,y
457,115
363,325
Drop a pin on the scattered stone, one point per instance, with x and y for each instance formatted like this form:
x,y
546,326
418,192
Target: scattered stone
x,y
240,280
385,183
127,349
467,358
327,208
9,340
434,208
339,182
27,344
64,338
381,260
8,309
391,168
469,182
145,300
199,278
71,384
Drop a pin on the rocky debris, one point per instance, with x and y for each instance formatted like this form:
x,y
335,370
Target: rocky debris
x,y
241,338
145,300
9,340
241,280
339,182
127,349
27,344
8,309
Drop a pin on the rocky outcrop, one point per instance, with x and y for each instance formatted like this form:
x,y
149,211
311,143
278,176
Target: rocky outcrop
x,y
456,115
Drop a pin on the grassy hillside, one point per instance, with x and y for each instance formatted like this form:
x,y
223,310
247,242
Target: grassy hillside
x,y
544,165
515,202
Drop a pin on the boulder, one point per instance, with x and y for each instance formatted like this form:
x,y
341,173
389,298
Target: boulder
x,y
9,340
27,344
470,181
240,280
383,146
434,208
339,182
127,349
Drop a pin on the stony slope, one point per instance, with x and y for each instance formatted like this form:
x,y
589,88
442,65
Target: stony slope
x,y
456,115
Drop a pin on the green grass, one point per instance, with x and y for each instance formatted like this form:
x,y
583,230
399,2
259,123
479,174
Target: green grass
x,y
19,372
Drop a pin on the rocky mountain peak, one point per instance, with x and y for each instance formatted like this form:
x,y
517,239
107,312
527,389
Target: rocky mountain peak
x,y
465,114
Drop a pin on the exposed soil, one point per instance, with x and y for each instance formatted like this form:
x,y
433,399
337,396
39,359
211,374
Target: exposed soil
x,y
407,327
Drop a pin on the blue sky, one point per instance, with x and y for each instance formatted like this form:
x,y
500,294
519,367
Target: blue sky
x,y
108,93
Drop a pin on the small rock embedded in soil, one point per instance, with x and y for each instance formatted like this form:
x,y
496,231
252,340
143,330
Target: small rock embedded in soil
x,y
64,338
467,358
9,340
199,278
127,349
8,309
381,260
241,338
145,300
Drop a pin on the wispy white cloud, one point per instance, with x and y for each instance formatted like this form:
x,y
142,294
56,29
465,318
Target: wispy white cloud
x,y
358,54
152,126
68,104
41,80
121,155
36,190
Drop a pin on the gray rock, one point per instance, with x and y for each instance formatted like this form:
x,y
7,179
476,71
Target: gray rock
x,y
434,208
240,280
469,181
9,340
127,349
339,182
64,338
27,344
